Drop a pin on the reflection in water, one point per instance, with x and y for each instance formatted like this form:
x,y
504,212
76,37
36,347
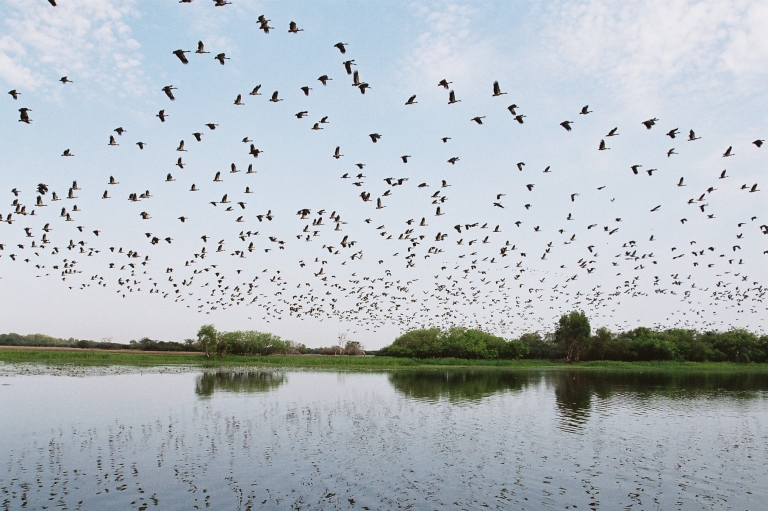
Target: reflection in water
x,y
573,395
578,391
240,382
574,389
459,385
404,440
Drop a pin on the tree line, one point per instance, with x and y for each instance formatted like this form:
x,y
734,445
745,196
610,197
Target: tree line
x,y
250,342
42,340
572,340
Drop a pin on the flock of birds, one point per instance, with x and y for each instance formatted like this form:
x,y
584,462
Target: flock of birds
x,y
490,278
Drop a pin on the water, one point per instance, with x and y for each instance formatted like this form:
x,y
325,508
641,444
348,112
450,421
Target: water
x,y
181,439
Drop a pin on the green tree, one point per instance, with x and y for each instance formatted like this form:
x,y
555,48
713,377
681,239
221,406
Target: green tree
x,y
572,333
207,338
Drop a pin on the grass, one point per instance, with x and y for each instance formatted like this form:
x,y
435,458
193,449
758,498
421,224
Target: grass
x,y
106,358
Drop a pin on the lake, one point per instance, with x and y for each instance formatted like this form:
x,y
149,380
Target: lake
x,y
183,438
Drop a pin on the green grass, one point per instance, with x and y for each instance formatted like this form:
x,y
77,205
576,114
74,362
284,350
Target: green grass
x,y
105,358
330,362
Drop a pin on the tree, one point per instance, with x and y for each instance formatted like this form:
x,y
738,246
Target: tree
x,y
207,338
341,342
572,332
353,348
600,343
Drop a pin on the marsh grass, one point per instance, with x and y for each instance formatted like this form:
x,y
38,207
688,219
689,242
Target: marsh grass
x,y
107,358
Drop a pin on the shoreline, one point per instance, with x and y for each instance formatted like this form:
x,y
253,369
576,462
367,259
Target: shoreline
x,y
96,357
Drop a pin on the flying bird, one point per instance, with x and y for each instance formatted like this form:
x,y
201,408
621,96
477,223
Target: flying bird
x,y
180,53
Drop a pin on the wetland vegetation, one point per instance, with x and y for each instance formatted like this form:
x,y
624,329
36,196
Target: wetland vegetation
x,y
571,342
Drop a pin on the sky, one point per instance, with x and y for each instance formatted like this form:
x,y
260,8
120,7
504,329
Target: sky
x,y
588,234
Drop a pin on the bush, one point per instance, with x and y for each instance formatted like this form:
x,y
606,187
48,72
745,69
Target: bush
x,y
456,342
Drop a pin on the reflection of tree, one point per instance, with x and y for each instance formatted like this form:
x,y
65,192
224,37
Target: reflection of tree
x,y
246,382
573,395
459,385
574,389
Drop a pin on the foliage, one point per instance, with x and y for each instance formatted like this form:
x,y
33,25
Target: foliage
x,y
572,333
14,339
207,339
456,342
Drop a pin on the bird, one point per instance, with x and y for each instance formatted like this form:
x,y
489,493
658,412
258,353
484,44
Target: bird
x,y
650,123
24,116
497,90
221,57
161,115
239,100
341,46
255,91
585,110
634,168
602,146
168,89
112,140
566,125
673,132
324,79
692,136
306,90
411,100
452,98
680,183
612,133
728,152
65,80
67,152
443,83
274,98
374,137
200,47
337,153
180,54
15,94
405,158
478,120
293,28
758,143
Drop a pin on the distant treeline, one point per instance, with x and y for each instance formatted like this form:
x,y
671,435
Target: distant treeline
x,y
251,342
145,344
456,342
573,341
208,340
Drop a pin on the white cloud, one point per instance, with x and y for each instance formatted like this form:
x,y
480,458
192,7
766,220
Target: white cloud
x,y
647,45
447,47
88,40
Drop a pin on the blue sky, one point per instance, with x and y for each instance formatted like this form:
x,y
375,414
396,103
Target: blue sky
x,y
692,65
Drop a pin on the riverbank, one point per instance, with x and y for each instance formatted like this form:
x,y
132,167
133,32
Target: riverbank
x,y
73,356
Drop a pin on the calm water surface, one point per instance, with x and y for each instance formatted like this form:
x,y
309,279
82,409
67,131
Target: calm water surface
x,y
180,439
